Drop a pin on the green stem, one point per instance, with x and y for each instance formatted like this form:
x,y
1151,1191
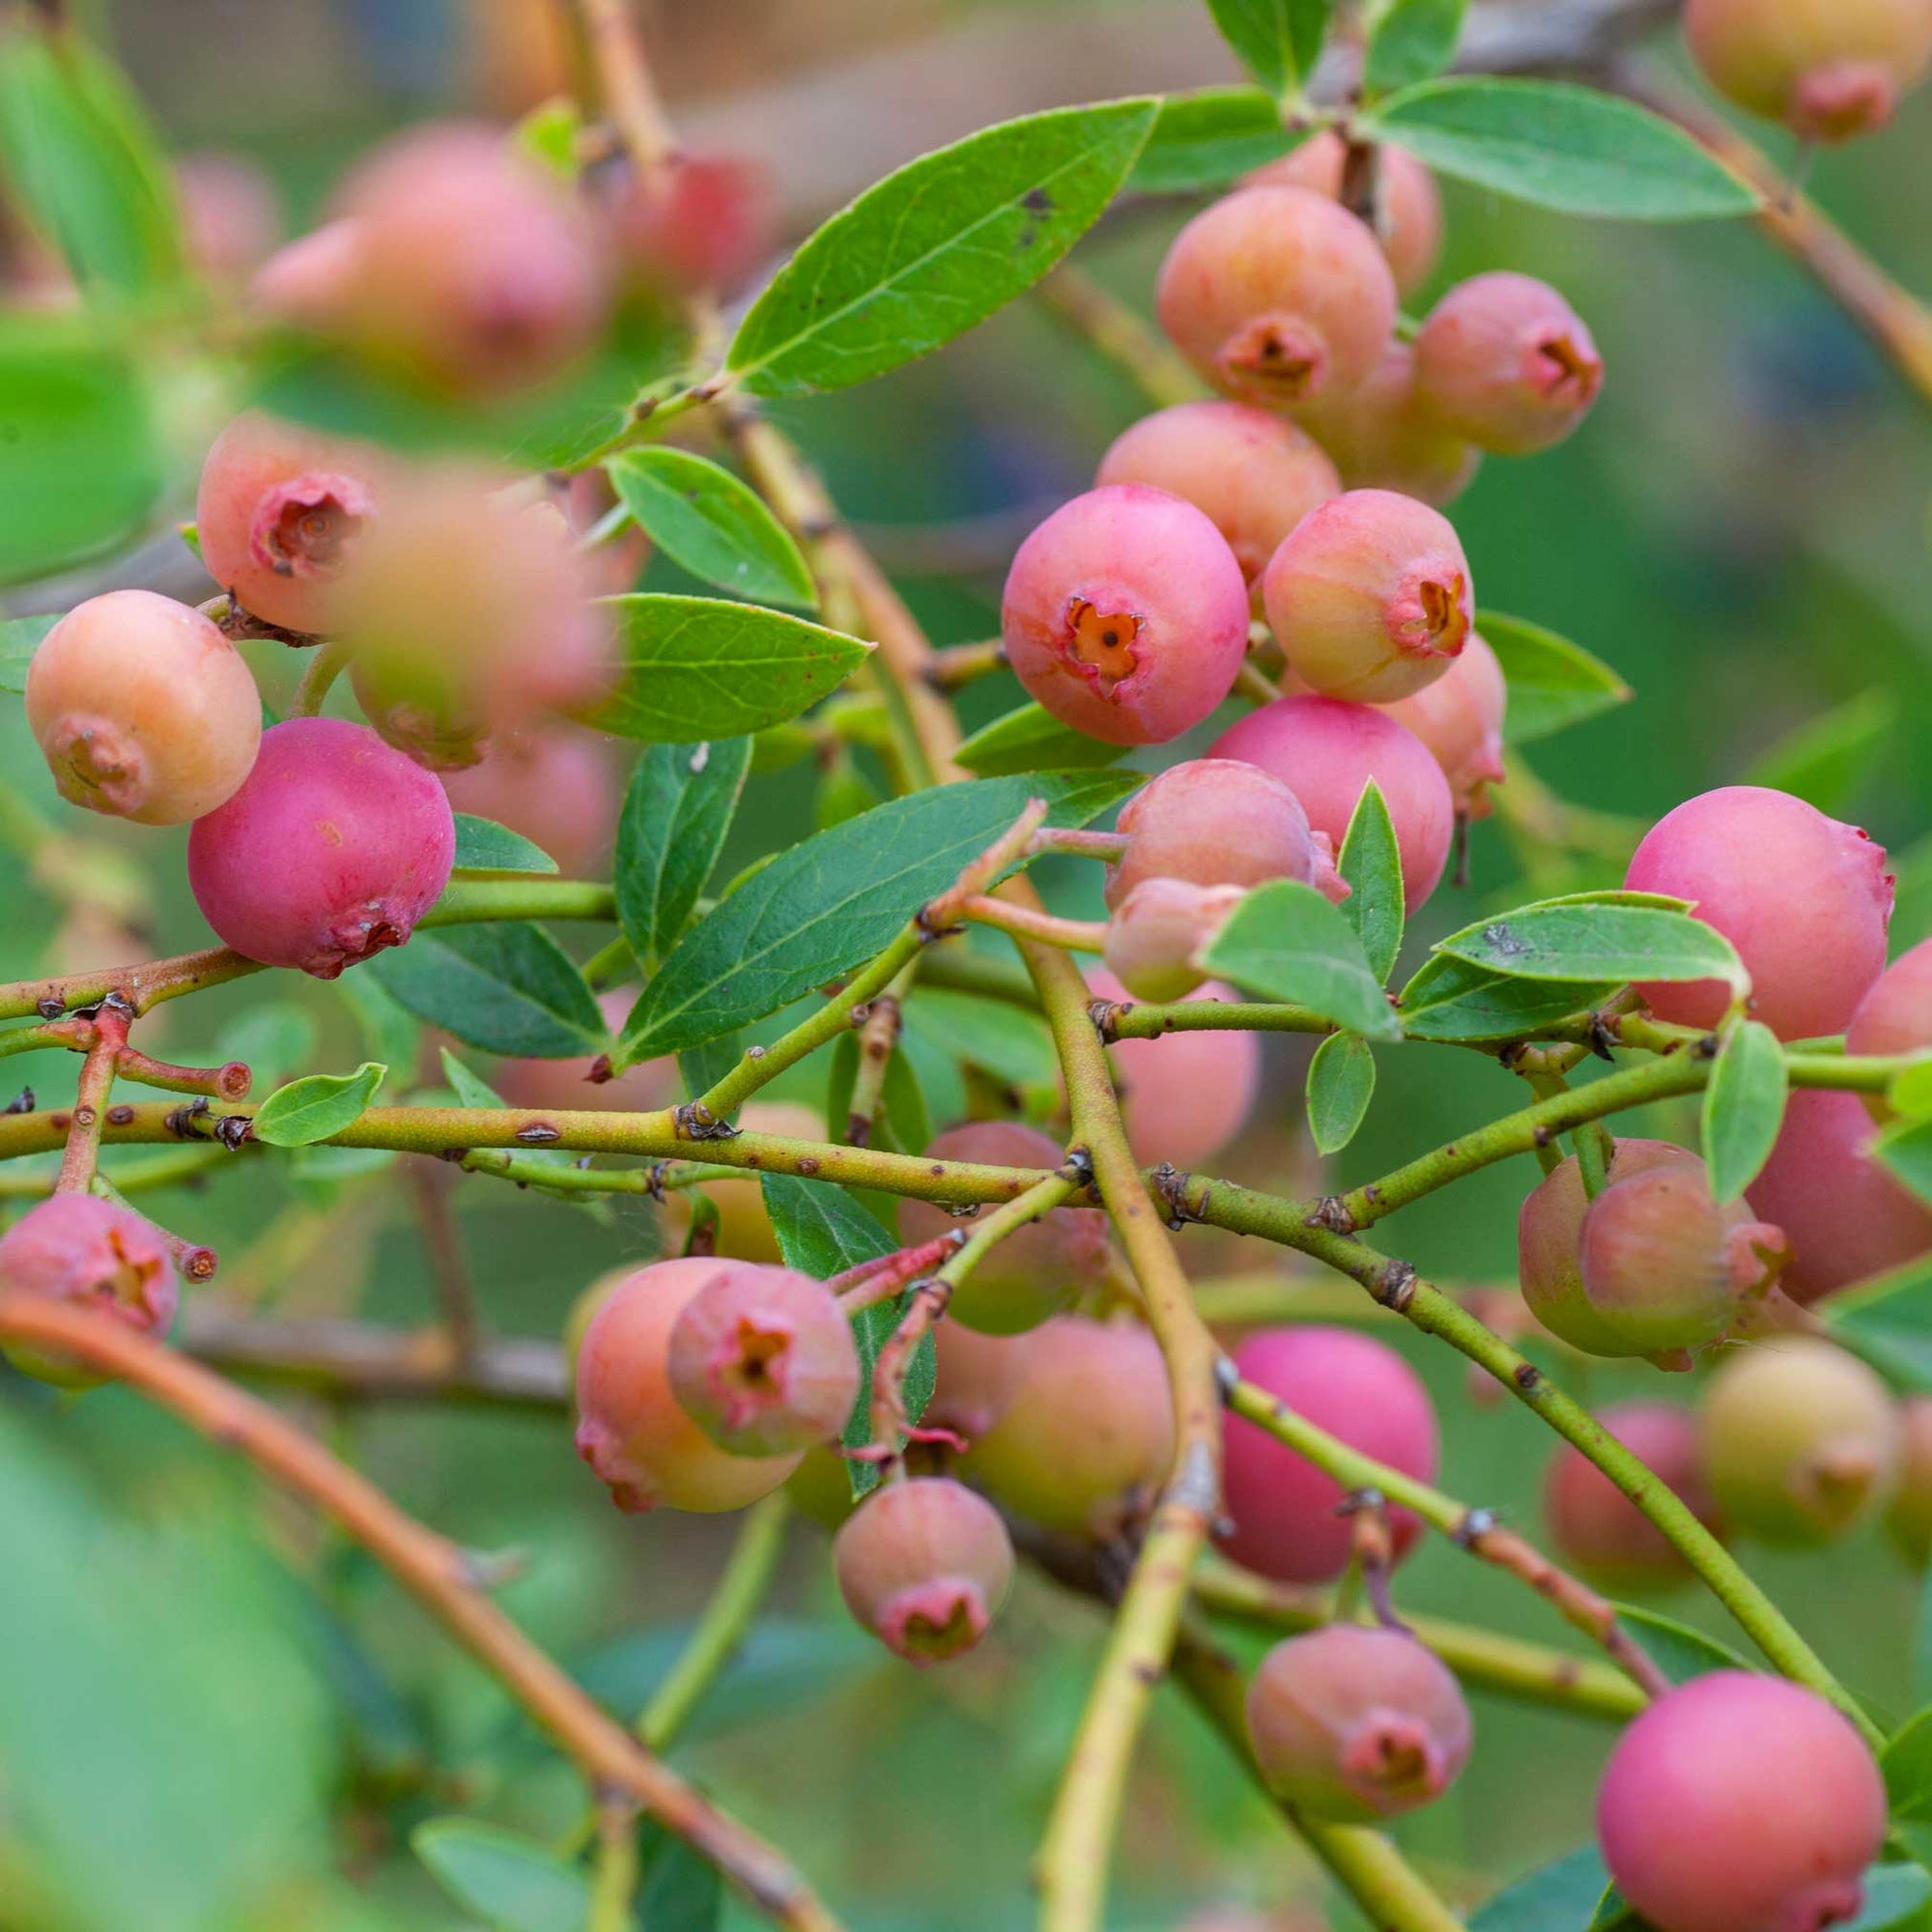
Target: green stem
x,y
327,663
532,896
1145,1020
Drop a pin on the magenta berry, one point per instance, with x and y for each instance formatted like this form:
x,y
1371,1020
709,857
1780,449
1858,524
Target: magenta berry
x,y
1504,361
1326,750
1741,1801
332,851
1277,295
1368,596
703,222
764,1360
977,1378
143,709
1383,435
1460,718
925,1565
552,785
1159,933
1408,204
632,1428
1255,475
1805,899
1126,615
1908,1516
1353,1724
1285,1516
1183,1095
1895,1014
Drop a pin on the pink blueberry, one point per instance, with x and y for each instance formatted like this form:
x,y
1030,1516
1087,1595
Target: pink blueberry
x,y
1383,435
1408,204
925,1565
1895,1015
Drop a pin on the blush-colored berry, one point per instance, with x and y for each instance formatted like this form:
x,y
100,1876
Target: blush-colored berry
x,y
1037,1270
1285,1513
1254,474
1353,1724
1597,1529
1741,1801
1159,933
1806,901
1125,614
143,709
1325,749
1383,435
744,1227
925,1565
1802,1442
1087,1438
1277,295
977,1376
1908,1516
552,785
1895,1015
332,849
631,1429
1408,204
307,282
703,222
1460,718
281,512
1370,596
764,1359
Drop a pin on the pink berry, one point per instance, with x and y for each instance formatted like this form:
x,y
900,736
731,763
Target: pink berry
x,y
1895,1015
977,1378
1254,474
925,1565
1383,435
230,212
1277,294
1126,615
554,786
1156,935
1504,361
143,709
563,1086
631,1429
1285,1511
613,565
763,1358
332,849
1368,596
1326,750
703,223
1037,1270
1408,204
280,513
1740,1803
1805,899
1908,1516
1598,1530
73,1247
1353,1724
307,282
1460,718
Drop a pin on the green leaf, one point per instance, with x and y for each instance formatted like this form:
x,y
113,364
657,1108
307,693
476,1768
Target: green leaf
x,y
1742,1108
511,1882
1906,1149
1286,942
702,517
834,900
548,135
388,1029
1677,1649
1449,999
482,845
698,667
676,813
1014,1045
508,988
1830,761
1559,1898
678,1888
1910,1090
935,248
1586,939
1560,146
471,1090
19,639
1411,41
1370,861
312,1109
1208,138
1031,739
1341,1083
1278,40
1896,1897
1907,1764
1553,683
1888,1320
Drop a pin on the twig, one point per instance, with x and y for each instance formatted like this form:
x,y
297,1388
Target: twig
x,y
90,1107
1134,346
1073,935
443,1242
956,666
878,1041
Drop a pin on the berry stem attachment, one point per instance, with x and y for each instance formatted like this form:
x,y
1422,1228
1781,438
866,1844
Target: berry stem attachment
x,y
326,665
90,1106
878,1041
1070,935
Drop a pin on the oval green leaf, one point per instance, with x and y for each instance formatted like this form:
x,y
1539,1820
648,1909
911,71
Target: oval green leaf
x,y
508,988
1677,1649
1341,1084
1906,1149
19,639
1411,41
676,813
1559,1898
1370,861
1831,761
1579,939
1031,739
1888,1320
482,845
1278,40
711,524
312,1109
1449,999
1553,683
511,1882
1742,1108
1208,138
1286,942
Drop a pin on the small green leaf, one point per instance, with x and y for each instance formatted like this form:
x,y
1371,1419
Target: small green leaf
x,y
1896,1897
1888,1320
1031,739
1014,1045
508,988
1449,999
1583,939
1677,1649
19,639
388,1029
1278,40
1911,1090
1906,1149
511,1882
548,135
702,517
1209,138
698,667
1370,861
1560,146
678,1888
1744,1107
1558,1897
482,845
1410,40
677,813
1341,1083
312,1109
1907,1764
1286,942
1553,683
700,1067
1830,761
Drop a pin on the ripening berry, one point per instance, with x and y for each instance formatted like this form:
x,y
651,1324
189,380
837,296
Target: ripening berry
x,y
1504,361
1740,1803
1255,475
1277,296
332,849
1895,1015
1828,69
1368,596
1382,435
143,709
1035,1270
1598,1530
1126,615
1087,1438
231,214
702,222
631,1429
1664,1266
925,1565
1283,1511
1844,1215
1325,749
744,1229
763,1358
977,1376
1353,1724
554,786
1805,899
307,282
1802,1442
1159,933
1460,718
612,565
280,513
1219,822
1908,1516
75,1247
565,1084
1408,204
